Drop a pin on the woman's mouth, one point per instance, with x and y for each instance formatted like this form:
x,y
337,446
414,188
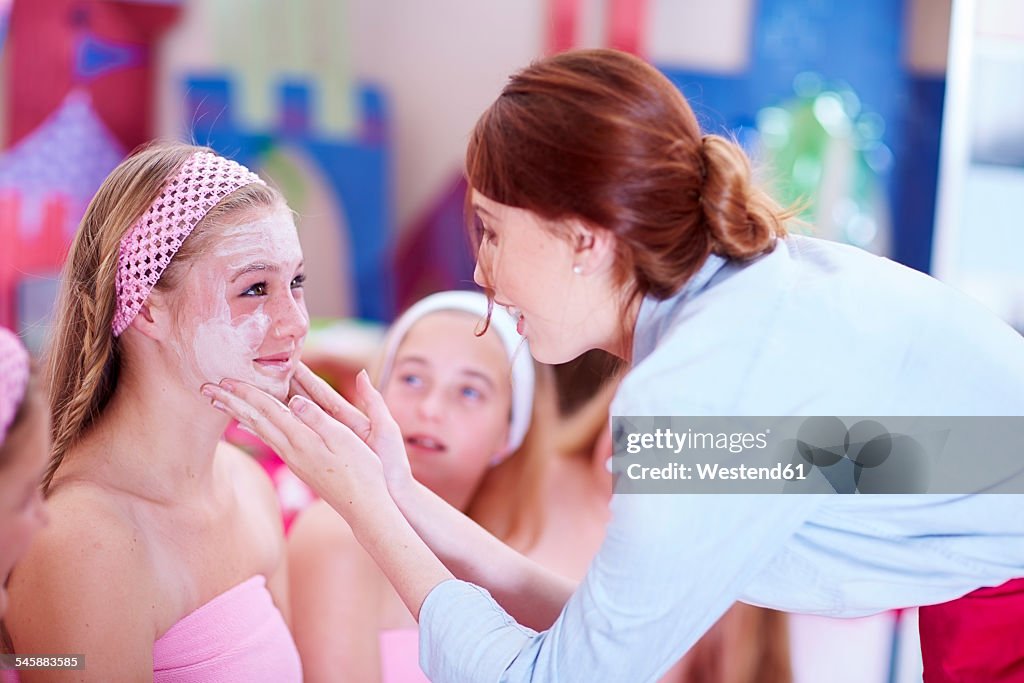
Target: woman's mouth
x,y
517,316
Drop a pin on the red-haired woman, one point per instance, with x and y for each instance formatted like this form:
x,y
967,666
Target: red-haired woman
x,y
608,220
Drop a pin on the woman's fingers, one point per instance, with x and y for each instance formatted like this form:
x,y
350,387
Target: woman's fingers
x,y
386,440
338,437
324,452
323,394
348,471
295,388
264,414
248,416
376,410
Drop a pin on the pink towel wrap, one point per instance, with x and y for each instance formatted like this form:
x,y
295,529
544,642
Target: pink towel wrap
x,y
400,656
239,636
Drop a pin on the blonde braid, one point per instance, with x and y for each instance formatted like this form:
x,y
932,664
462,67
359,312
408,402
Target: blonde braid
x,y
83,355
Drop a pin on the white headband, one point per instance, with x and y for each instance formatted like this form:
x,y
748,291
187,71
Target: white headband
x,y
502,324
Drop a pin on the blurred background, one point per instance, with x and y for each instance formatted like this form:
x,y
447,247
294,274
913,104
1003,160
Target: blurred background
x,y
901,122
905,137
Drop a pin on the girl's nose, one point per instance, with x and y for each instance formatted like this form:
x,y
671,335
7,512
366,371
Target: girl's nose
x,y
431,406
290,317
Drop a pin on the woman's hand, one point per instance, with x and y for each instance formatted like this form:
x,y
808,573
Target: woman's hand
x,y
329,448
371,422
323,451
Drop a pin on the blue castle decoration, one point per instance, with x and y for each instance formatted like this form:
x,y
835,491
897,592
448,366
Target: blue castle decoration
x,y
862,45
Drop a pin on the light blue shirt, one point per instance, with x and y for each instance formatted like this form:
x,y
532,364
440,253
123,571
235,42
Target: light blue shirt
x,y
813,328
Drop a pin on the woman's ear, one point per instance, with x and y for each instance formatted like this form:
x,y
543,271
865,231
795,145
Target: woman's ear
x,y
594,247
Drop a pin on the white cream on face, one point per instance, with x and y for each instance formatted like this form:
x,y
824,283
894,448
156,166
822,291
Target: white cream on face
x,y
219,344
224,347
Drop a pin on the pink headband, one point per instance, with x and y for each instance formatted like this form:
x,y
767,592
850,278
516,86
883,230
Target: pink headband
x,y
13,378
146,249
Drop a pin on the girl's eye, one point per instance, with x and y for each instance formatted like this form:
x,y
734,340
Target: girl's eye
x,y
258,289
412,380
299,281
471,393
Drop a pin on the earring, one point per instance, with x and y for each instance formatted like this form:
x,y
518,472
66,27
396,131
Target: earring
x,y
578,269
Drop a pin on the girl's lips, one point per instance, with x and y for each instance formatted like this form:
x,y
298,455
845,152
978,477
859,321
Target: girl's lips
x,y
281,362
426,444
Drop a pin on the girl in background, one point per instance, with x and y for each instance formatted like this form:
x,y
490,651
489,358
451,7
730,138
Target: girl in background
x,y
165,556
608,220
463,403
24,447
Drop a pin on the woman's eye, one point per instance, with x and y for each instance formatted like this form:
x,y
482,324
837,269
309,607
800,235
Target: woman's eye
x,y
258,289
487,236
299,281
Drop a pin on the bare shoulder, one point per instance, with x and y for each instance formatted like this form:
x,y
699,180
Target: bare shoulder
x,y
326,561
338,597
92,536
88,580
320,524
320,535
